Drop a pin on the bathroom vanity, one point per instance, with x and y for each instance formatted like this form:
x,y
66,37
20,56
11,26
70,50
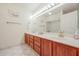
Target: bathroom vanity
x,y
52,45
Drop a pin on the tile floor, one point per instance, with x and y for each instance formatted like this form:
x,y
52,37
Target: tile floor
x,y
19,50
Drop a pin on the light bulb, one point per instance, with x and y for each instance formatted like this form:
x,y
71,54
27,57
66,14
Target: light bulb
x,y
49,6
49,13
52,4
31,17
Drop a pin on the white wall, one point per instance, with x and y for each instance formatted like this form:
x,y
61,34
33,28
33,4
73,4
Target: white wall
x,y
69,22
12,34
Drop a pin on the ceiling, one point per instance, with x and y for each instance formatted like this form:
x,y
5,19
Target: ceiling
x,y
27,8
31,7
69,7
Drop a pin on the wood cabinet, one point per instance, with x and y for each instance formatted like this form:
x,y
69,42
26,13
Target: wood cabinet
x,y
27,38
63,50
46,47
31,41
37,44
42,47
78,52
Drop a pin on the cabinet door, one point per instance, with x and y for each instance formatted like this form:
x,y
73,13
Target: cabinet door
x,y
63,50
78,52
42,47
37,49
47,48
31,45
37,39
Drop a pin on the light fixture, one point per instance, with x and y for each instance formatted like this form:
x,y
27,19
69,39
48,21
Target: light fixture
x,y
47,9
50,13
49,6
40,11
31,17
53,4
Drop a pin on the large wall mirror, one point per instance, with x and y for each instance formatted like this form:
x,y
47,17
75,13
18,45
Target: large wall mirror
x,y
69,18
64,19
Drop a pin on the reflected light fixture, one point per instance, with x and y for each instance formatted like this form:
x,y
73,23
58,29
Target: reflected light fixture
x,y
49,6
50,13
31,17
53,4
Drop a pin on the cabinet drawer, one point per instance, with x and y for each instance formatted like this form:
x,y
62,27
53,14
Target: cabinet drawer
x,y
37,49
31,40
28,39
37,39
25,36
31,36
31,45
36,43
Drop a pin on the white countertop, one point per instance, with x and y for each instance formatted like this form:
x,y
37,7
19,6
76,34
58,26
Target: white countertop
x,y
54,37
